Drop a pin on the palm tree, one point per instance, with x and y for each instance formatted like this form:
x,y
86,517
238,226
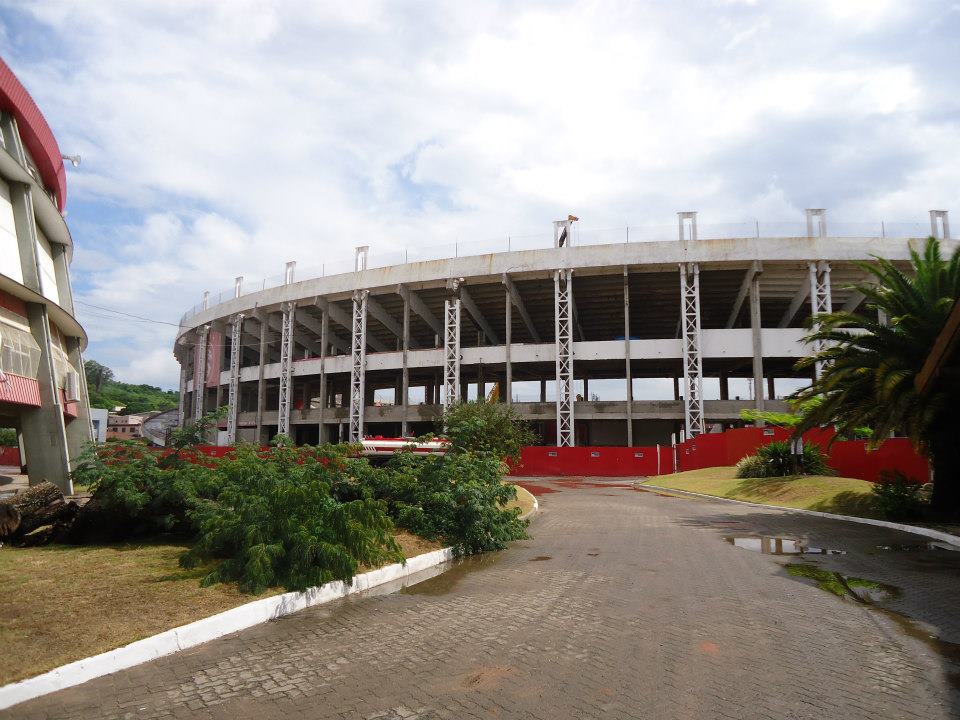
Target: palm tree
x,y
869,364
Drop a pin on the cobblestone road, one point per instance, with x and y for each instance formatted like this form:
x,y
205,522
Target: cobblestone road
x,y
622,604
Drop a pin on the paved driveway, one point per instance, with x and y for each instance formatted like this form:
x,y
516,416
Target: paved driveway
x,y
622,604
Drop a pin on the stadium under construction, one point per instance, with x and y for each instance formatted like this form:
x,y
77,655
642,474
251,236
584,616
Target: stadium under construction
x,y
617,338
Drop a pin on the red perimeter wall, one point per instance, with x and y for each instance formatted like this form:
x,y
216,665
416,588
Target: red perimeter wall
x,y
10,456
848,458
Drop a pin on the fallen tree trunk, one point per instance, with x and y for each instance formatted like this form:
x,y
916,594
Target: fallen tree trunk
x,y
40,505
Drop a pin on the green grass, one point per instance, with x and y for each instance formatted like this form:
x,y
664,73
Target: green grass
x,y
839,585
61,603
844,496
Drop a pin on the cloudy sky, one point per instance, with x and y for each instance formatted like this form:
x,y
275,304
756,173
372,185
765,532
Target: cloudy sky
x,y
225,138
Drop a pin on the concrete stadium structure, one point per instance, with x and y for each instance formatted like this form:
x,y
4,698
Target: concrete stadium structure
x,y
43,392
381,351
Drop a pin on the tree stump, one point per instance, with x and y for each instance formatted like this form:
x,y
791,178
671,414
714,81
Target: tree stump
x,y
40,505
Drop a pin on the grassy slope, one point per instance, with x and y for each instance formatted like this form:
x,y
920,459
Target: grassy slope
x,y
845,496
59,604
524,501
136,398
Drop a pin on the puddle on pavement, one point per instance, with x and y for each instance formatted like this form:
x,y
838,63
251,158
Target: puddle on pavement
x,y
771,545
871,592
450,575
539,558
932,545
948,652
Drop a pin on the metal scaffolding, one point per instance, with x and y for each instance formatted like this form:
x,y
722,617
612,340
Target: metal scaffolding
x,y
358,367
286,368
563,321
200,373
821,301
236,337
692,359
451,345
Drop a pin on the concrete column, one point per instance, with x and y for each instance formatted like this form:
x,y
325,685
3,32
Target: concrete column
x,y
586,388
724,386
80,430
771,392
405,372
676,388
481,383
508,331
324,345
261,382
183,391
543,391
757,343
627,364
44,430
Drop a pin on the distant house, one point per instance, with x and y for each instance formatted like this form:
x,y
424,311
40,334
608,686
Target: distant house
x,y
99,418
125,427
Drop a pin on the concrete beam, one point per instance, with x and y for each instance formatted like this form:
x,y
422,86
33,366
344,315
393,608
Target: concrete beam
x,y
420,308
802,294
378,312
474,311
276,323
755,269
521,308
316,326
342,318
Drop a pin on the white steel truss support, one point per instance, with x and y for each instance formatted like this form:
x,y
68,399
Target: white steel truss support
x,y
200,373
821,302
563,324
358,366
286,368
236,338
451,346
692,358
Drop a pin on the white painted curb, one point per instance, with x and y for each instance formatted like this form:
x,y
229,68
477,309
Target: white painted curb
x,y
201,631
925,532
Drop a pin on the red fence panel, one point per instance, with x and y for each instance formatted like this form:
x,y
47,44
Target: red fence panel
x,y
10,456
592,461
848,458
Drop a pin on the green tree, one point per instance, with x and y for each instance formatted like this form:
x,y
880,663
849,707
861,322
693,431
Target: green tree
x,y
870,365
97,374
486,427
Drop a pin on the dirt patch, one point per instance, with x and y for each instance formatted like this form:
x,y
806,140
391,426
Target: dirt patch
x,y
486,677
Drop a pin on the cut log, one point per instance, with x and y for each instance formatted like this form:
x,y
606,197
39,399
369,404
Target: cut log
x,y
40,505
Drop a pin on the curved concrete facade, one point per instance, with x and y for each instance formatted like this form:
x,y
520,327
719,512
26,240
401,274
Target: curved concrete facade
x,y
618,344
43,390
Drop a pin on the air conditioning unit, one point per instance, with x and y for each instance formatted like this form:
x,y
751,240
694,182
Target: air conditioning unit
x,y
71,386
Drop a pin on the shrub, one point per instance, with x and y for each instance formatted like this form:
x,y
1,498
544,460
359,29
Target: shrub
x,y
457,498
136,493
775,460
751,467
488,427
897,497
276,522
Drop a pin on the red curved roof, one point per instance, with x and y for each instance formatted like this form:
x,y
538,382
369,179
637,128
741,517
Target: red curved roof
x,y
36,134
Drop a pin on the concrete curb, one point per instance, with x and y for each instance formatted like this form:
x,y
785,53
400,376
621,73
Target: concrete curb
x,y
925,532
215,626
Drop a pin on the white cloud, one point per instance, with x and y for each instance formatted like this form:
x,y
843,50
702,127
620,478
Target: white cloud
x,y
231,137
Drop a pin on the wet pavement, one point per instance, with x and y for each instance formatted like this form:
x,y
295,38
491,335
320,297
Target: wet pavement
x,y
622,604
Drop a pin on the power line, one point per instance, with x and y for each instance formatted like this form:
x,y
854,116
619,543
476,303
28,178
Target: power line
x,y
130,315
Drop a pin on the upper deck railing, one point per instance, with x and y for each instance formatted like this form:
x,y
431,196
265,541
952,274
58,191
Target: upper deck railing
x,y
581,237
